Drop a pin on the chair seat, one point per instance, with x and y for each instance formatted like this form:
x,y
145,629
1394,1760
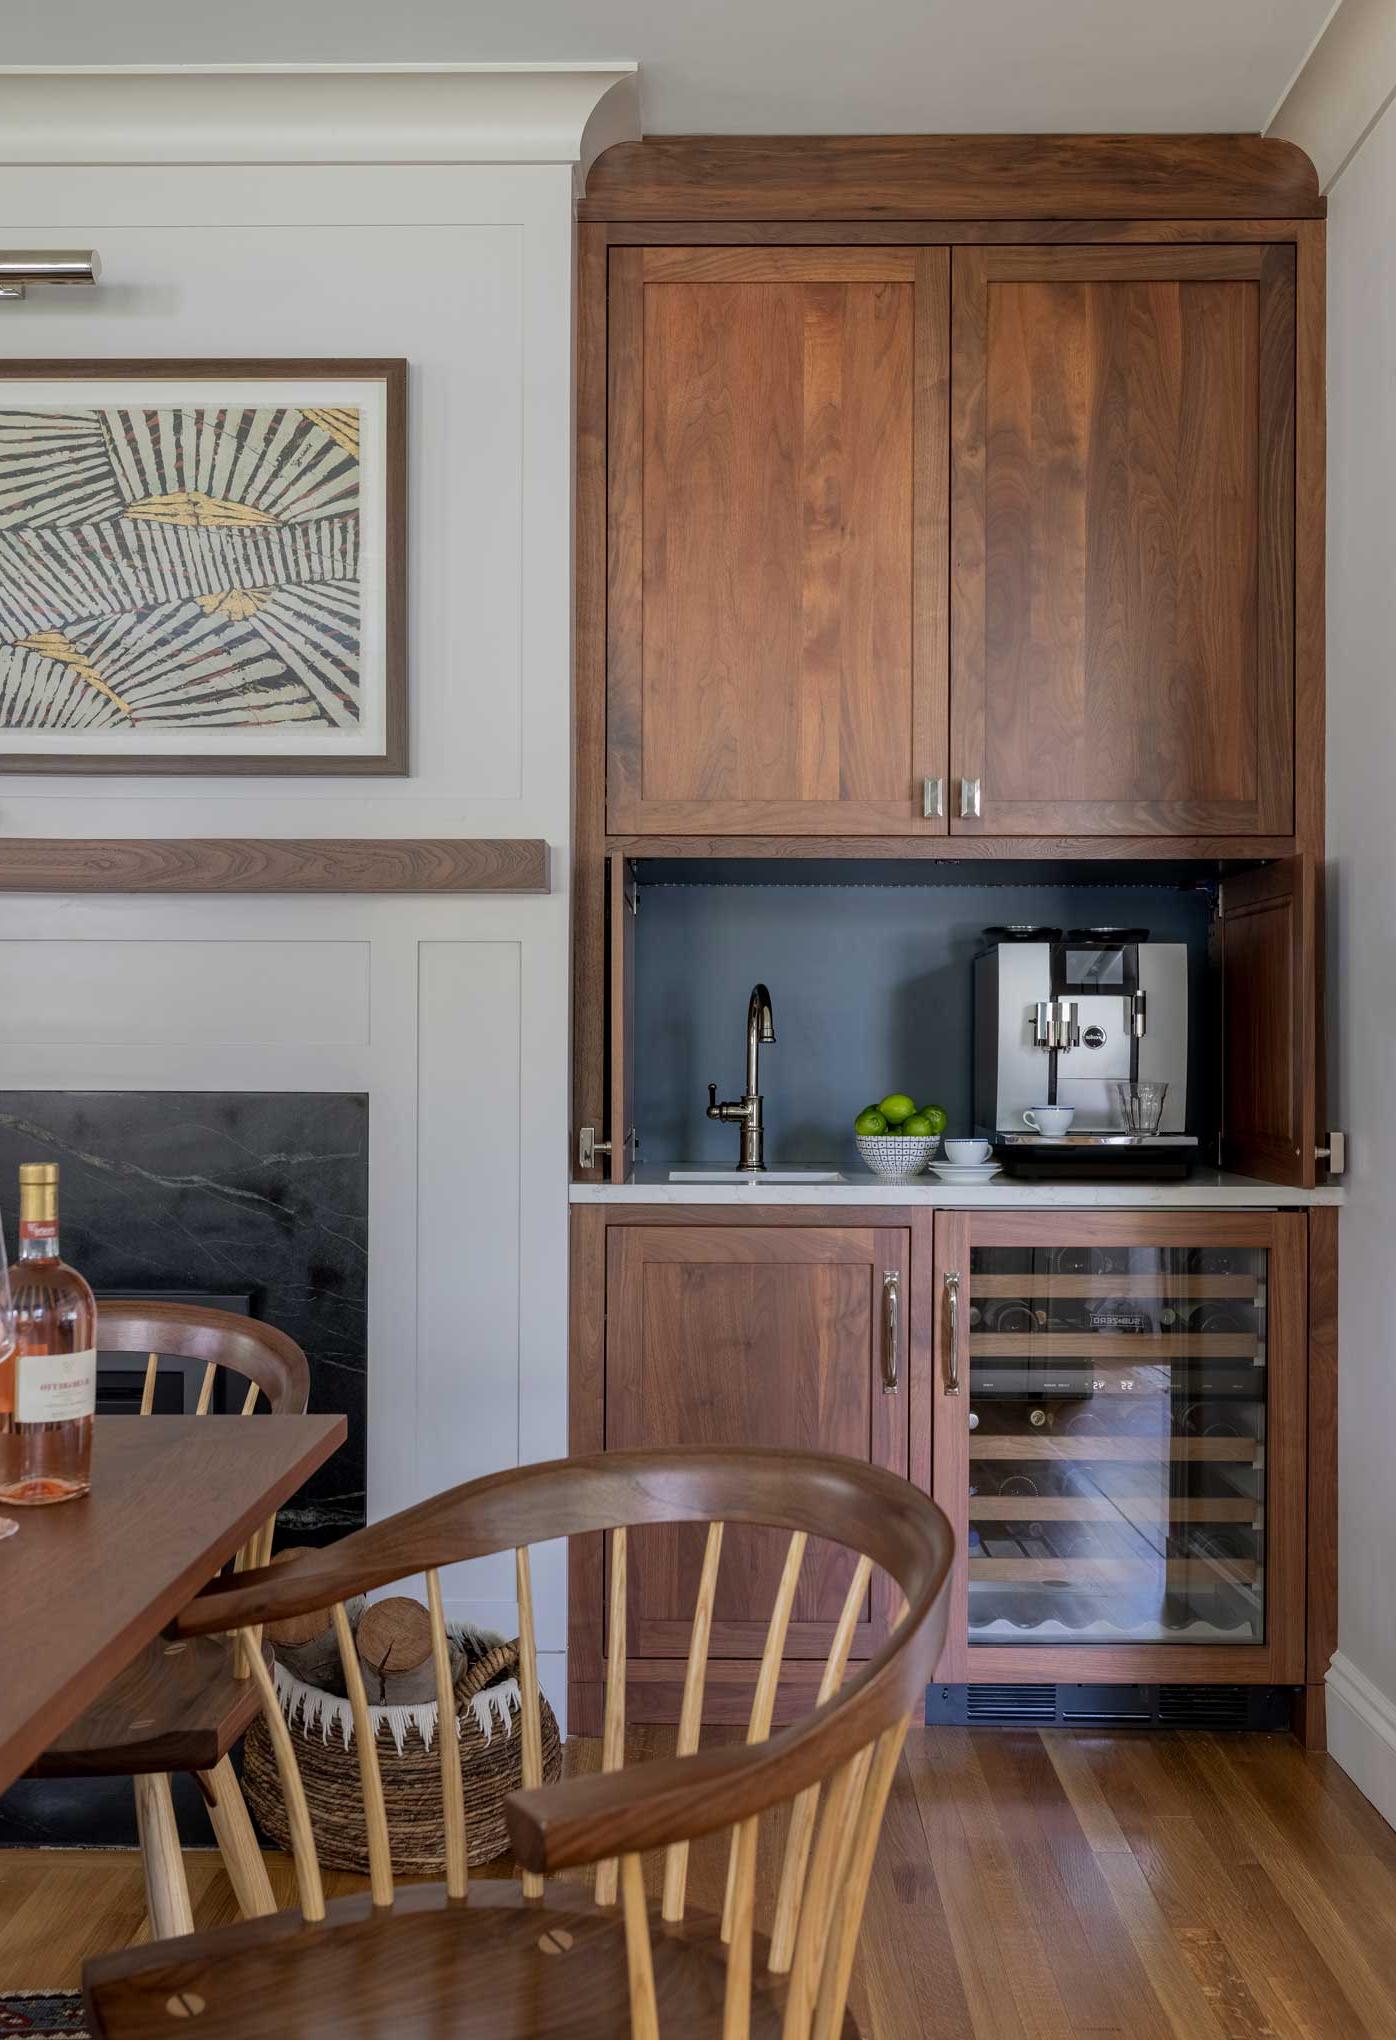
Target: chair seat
x,y
496,1966
177,1707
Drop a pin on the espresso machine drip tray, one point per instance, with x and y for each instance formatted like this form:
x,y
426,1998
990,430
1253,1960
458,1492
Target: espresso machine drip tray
x,y
1109,1156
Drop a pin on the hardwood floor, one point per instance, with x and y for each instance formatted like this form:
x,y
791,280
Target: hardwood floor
x,y
1029,1887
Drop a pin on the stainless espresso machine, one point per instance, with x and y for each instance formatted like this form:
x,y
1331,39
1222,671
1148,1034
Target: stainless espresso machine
x,y
1060,1017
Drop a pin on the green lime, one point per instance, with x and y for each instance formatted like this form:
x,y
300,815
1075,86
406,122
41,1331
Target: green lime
x,y
870,1121
919,1125
935,1117
896,1107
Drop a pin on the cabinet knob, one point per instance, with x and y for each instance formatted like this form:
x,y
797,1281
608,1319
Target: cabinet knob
x,y
932,799
969,799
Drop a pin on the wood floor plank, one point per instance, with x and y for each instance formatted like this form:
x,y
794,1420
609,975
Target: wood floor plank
x,y
910,1971
1024,1967
1069,1902
1363,1971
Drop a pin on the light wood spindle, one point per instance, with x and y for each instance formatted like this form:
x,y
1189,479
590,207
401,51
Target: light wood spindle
x,y
166,1887
613,1726
237,1841
530,1715
312,1895
639,1956
831,1848
691,1712
380,1861
806,1806
763,1706
737,1923
249,1401
152,1368
842,1941
206,1389
452,1801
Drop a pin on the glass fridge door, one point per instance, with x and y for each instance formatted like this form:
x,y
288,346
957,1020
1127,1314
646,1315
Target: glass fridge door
x,y
1117,1445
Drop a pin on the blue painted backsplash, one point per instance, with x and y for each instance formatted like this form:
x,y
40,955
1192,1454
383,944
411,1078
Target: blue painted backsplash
x,y
871,990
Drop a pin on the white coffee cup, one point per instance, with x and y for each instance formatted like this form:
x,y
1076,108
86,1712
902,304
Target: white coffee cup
x,y
964,1153
1051,1121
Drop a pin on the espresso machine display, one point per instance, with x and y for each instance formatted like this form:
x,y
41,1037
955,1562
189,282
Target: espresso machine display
x,y
1066,1022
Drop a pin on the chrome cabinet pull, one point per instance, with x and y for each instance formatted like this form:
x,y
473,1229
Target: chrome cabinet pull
x,y
951,1365
969,799
932,799
891,1330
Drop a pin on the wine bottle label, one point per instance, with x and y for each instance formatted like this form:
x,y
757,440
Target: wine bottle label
x,y
38,1229
54,1388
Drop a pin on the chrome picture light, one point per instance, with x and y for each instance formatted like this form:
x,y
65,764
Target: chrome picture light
x,y
19,268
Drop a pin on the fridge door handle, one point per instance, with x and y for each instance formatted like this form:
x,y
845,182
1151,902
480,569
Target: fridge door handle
x,y
950,1368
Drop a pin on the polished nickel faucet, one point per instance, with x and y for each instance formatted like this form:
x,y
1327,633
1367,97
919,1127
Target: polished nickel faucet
x,y
746,1111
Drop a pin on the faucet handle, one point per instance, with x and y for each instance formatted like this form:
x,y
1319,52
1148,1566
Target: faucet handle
x,y
712,1101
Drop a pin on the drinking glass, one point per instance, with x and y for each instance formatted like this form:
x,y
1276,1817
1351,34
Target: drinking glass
x,y
1140,1106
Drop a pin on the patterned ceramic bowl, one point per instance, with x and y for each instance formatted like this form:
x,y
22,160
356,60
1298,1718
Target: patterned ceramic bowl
x,y
896,1156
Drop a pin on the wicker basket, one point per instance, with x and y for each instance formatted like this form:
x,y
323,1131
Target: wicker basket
x,y
487,1701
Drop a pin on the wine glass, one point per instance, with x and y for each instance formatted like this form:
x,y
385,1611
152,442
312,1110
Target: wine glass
x,y
8,1525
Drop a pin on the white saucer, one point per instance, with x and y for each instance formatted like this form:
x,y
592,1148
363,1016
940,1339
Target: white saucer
x,y
966,1172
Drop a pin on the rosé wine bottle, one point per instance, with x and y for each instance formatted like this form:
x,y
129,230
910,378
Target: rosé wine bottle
x,y
48,1382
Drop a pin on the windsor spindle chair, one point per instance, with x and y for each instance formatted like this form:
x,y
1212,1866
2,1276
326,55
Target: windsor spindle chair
x,y
542,1960
183,1705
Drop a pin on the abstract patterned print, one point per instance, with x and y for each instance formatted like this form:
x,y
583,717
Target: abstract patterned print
x,y
193,567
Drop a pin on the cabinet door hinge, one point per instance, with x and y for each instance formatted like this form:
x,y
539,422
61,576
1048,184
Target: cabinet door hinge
x,y
589,1147
1335,1154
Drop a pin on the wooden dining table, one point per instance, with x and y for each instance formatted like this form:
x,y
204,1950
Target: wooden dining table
x,y
85,1585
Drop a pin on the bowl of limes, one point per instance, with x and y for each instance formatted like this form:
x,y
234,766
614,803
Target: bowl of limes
x,y
897,1137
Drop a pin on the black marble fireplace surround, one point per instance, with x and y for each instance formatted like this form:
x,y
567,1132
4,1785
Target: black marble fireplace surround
x,y
248,1194
261,1197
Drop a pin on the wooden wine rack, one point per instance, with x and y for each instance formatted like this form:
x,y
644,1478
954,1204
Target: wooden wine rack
x,y
1240,1451
1162,1288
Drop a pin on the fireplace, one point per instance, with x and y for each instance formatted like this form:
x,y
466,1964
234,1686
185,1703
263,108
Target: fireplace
x,y
255,1202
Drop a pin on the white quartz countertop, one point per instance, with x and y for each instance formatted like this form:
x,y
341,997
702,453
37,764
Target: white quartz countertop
x,y
1204,1190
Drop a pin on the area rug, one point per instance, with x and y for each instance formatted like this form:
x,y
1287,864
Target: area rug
x,y
43,2014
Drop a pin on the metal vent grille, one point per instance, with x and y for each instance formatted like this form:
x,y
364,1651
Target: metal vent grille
x,y
1204,1706
1108,1706
1008,1705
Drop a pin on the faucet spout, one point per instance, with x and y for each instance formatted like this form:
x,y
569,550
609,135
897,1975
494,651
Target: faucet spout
x,y
760,1027
746,1111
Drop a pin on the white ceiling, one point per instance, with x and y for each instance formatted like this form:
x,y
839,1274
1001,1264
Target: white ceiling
x,y
766,66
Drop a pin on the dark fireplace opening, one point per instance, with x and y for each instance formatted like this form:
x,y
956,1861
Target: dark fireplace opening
x,y
255,1202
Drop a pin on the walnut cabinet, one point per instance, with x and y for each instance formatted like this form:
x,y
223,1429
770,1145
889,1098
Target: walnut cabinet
x,y
991,541
1121,1413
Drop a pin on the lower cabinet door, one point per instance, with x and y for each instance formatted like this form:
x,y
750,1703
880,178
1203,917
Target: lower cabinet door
x,y
1119,1432
786,1336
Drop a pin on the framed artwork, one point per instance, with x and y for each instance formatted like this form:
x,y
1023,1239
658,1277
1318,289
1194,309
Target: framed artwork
x,y
202,566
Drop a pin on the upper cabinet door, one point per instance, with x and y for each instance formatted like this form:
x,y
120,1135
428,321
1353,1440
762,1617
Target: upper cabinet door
x,y
1123,541
778,485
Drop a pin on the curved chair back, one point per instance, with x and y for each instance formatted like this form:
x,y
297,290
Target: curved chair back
x,y
833,1768
265,1358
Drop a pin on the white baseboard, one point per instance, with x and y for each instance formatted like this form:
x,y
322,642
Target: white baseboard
x,y
1362,1733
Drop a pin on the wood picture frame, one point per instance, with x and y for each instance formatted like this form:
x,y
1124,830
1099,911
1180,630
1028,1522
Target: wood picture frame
x,y
203,567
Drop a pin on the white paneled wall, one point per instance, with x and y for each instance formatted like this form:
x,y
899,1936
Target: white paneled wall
x,y
450,1014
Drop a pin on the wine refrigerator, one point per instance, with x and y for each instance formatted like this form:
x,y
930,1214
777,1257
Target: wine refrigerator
x,y
1118,1439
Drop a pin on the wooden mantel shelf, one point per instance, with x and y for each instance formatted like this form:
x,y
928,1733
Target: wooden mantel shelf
x,y
246,864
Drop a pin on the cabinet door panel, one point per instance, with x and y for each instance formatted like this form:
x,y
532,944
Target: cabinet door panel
x,y
770,1336
777,539
1268,940
1123,444
1123,1460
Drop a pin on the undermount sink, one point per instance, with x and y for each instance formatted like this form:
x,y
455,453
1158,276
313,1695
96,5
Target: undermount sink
x,y
754,1176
